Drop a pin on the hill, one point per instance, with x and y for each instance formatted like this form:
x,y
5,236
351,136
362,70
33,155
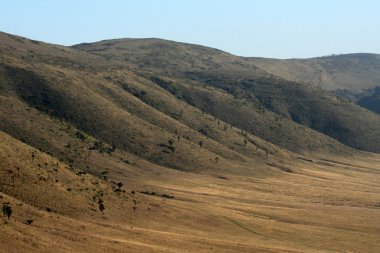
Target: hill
x,y
158,146
352,72
273,108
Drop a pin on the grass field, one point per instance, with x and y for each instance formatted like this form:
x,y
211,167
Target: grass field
x,y
325,204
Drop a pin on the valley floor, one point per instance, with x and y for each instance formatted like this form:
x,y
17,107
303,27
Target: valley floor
x,y
319,205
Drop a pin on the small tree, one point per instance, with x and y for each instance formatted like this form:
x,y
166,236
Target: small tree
x,y
7,210
200,144
120,184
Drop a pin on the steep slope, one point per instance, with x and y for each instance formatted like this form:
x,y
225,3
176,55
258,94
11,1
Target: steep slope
x,y
40,180
271,107
105,101
352,76
335,117
370,100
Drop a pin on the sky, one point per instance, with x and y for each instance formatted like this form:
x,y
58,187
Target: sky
x,y
260,28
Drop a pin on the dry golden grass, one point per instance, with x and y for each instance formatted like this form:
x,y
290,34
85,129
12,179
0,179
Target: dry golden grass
x,y
326,204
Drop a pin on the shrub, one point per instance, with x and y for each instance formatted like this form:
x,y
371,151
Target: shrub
x,y
7,210
101,205
167,196
103,148
203,131
81,135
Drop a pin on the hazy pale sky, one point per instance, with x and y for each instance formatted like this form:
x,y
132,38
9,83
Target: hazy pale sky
x,y
265,28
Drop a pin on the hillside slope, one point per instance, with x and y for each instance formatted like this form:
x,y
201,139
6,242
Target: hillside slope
x,y
352,72
269,106
109,111
352,76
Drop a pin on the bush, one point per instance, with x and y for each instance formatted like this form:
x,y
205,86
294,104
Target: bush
x,y
101,205
7,210
203,131
103,148
81,135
